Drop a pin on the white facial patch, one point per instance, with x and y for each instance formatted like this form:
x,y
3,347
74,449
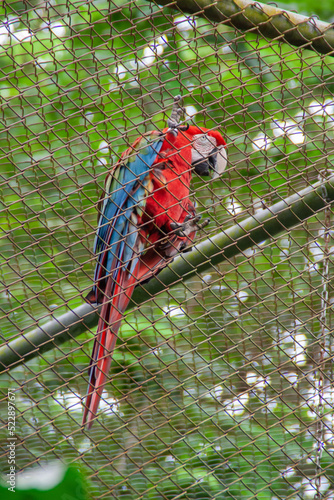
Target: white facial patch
x,y
202,147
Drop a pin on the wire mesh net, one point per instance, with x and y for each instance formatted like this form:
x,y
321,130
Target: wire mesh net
x,y
221,386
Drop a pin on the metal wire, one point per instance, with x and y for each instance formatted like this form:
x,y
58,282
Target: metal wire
x,y
221,386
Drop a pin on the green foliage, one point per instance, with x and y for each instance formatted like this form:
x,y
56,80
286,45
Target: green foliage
x,y
70,486
213,383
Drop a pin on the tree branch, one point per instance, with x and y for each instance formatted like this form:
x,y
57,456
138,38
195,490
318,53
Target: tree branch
x,y
270,21
262,225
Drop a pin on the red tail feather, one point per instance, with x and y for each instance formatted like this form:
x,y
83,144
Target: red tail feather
x,y
110,320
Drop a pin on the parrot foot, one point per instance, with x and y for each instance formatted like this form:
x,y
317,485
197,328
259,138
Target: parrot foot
x,y
189,225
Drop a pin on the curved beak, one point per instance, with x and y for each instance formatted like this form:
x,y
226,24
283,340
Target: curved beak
x,y
214,163
218,161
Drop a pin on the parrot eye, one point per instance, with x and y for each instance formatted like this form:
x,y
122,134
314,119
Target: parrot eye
x,y
206,156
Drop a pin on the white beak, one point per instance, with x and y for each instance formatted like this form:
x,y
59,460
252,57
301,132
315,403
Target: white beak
x,y
221,162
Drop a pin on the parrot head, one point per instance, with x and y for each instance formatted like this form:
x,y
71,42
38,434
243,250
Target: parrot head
x,y
208,154
202,148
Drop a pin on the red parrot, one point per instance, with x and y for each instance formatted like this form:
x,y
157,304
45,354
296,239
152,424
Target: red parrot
x,y
145,219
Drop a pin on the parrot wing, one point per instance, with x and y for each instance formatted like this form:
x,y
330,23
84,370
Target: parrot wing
x,y
126,190
119,245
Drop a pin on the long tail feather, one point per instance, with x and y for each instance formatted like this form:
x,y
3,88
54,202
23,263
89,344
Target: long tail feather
x,y
100,363
110,320
121,290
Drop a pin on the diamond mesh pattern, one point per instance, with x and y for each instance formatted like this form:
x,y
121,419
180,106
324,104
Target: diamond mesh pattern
x,y
221,387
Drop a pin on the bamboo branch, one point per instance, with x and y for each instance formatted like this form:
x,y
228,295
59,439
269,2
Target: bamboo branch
x,y
270,21
262,225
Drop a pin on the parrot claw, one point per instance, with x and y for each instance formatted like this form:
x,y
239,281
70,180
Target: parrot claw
x,y
188,226
174,121
203,224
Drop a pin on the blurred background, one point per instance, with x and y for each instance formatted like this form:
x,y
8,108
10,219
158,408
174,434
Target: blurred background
x,y
222,387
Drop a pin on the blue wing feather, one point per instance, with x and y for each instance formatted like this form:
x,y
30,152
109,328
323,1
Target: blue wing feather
x,y
116,235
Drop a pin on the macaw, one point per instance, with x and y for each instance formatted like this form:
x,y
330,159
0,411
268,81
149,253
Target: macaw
x,y
145,219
